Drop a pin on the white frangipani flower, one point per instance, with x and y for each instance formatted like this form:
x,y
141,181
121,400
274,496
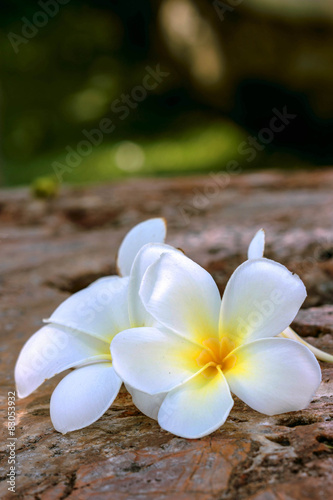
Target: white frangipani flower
x,y
150,405
256,251
183,373
79,332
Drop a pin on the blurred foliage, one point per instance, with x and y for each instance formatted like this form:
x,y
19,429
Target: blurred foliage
x,y
60,81
67,76
196,149
45,187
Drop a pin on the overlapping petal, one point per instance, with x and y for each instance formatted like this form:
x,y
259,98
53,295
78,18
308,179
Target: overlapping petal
x,y
289,333
255,251
273,375
149,405
100,310
152,230
83,396
257,246
52,350
148,254
153,361
182,296
198,407
260,300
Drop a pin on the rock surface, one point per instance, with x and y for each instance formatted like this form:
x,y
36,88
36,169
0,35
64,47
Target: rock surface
x,y
50,249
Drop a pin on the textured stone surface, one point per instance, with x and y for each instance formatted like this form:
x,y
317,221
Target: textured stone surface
x,y
51,249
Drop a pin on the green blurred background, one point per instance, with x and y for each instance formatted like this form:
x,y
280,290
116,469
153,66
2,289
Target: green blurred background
x,y
68,65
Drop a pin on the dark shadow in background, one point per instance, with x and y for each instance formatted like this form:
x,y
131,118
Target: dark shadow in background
x,y
174,107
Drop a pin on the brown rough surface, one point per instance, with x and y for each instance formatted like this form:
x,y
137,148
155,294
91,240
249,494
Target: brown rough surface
x,y
51,249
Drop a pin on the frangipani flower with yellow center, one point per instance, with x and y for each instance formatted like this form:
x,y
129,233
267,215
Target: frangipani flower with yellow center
x,y
79,332
256,251
184,372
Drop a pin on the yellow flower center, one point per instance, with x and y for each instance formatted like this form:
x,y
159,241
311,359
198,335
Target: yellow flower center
x,y
216,355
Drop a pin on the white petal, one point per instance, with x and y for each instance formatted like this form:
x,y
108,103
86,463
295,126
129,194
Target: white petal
x,y
260,300
153,361
149,405
83,396
273,375
148,254
50,351
257,246
182,296
289,333
101,309
150,231
198,407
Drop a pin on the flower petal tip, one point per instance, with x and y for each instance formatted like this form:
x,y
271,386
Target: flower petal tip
x,y
151,230
257,245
